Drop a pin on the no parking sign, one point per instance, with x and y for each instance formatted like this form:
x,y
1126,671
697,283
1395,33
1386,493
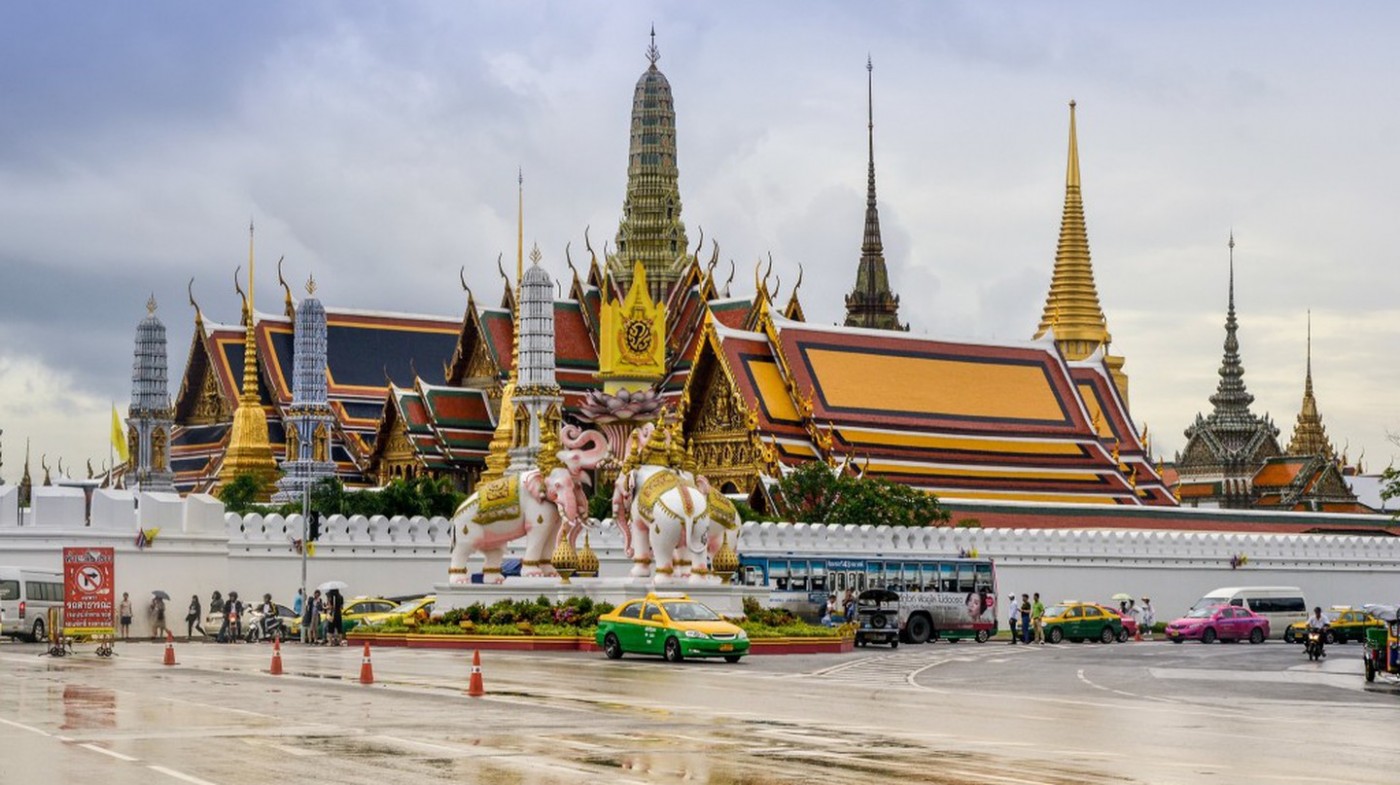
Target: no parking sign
x,y
88,590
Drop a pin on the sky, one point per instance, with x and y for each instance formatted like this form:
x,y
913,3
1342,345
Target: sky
x,y
376,147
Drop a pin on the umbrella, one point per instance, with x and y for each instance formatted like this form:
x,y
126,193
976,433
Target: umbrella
x,y
160,593
328,585
1121,596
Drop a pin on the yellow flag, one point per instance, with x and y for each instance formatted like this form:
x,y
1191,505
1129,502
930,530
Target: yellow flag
x,y
119,436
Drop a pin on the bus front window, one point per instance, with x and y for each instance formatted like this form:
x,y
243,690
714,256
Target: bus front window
x,y
778,575
818,576
797,580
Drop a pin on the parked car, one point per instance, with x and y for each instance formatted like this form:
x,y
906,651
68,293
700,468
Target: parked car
x,y
673,626
1281,605
356,608
410,613
1219,622
213,622
1348,624
1081,621
1130,625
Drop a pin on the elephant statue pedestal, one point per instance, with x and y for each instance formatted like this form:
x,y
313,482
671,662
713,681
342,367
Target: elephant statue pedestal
x,y
725,600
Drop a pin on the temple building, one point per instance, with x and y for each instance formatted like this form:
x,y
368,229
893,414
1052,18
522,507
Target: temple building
x,y
871,303
309,422
1226,448
148,418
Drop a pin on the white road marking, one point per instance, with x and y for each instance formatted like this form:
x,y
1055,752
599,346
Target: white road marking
x,y
22,726
104,751
180,775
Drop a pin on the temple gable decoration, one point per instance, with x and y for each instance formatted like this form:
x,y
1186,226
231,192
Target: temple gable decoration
x,y
632,349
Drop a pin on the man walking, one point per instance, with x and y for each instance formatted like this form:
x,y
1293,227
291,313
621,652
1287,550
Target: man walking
x,y
1146,618
1038,619
1013,610
1025,619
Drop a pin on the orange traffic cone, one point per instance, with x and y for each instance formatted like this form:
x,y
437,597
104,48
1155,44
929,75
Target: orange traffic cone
x,y
276,669
169,648
366,670
474,687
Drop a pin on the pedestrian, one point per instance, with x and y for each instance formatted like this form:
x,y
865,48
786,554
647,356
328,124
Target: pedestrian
x,y
124,616
157,609
192,622
233,612
1038,619
1013,611
336,606
1146,618
310,618
848,605
299,602
1025,618
829,614
216,602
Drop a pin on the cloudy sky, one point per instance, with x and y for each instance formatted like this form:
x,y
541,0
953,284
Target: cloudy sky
x,y
376,146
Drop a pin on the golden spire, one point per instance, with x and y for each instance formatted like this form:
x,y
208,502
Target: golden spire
x,y
249,447
1309,434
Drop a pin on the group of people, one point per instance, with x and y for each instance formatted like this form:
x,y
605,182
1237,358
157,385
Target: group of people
x,y
320,617
1143,614
1026,616
838,613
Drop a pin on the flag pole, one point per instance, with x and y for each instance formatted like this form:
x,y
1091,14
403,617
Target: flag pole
x,y
111,458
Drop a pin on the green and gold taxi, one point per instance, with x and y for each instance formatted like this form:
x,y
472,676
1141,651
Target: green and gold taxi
x,y
672,625
1348,624
409,613
1081,621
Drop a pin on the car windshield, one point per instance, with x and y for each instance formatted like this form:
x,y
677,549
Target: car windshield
x,y
1057,610
690,611
407,607
1201,613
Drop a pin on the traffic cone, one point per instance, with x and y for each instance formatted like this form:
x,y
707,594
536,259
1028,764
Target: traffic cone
x,y
366,670
475,688
276,669
169,648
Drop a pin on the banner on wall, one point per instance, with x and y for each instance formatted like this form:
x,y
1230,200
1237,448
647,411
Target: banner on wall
x,y
89,590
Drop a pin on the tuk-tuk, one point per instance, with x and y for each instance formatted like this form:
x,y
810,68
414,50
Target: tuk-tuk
x,y
877,611
1382,653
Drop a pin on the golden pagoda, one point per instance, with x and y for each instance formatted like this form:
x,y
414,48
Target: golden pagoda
x,y
1309,435
1072,311
249,449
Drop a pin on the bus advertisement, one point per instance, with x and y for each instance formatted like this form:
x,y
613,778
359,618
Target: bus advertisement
x,y
951,598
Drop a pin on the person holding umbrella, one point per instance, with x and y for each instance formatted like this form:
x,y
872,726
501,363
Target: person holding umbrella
x,y
157,611
335,607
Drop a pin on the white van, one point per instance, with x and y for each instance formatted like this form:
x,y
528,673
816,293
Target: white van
x,y
25,598
1281,605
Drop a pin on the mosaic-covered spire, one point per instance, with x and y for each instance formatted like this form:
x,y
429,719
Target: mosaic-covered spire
x,y
308,420
149,418
651,230
538,403
1309,435
872,304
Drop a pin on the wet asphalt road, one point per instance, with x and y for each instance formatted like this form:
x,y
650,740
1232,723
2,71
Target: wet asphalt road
x,y
940,713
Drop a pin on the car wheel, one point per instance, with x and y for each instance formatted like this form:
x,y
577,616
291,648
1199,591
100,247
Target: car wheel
x,y
731,658
1123,635
1329,637
1370,670
1256,636
919,629
1341,637
1208,636
612,647
1107,635
982,636
1289,637
1055,635
673,650
38,632
1177,640
894,644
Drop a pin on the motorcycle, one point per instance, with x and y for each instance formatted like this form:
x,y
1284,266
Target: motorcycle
x,y
269,627
1313,644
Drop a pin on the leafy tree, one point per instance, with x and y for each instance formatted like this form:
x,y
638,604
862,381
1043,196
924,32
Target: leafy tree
x,y
241,494
1390,484
816,493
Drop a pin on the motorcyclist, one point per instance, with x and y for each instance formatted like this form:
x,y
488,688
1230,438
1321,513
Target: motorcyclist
x,y
1319,621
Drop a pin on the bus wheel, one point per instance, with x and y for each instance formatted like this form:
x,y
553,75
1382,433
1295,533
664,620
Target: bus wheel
x,y
919,629
982,636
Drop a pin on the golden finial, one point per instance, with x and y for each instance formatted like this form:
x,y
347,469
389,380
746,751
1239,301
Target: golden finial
x,y
535,255
587,560
310,285
653,54
565,558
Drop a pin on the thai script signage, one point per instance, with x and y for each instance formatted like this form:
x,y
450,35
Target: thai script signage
x,y
89,589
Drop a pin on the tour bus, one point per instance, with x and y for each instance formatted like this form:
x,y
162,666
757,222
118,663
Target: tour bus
x,y
1281,605
939,597
25,598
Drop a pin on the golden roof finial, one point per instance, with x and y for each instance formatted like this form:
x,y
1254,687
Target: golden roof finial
x,y
653,54
535,255
151,305
1072,168
310,285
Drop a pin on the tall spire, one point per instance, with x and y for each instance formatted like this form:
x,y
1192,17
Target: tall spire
x,y
1309,435
871,304
250,449
1072,311
149,417
651,230
1231,400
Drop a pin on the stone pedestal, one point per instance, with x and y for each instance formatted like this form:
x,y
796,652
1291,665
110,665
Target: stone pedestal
x,y
725,600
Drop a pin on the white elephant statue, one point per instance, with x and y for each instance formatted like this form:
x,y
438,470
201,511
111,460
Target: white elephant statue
x,y
662,511
532,504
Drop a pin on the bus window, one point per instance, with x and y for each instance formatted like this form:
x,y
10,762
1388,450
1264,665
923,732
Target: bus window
x,y
929,574
818,576
874,575
947,577
910,577
967,580
984,579
797,580
778,575
856,581
753,576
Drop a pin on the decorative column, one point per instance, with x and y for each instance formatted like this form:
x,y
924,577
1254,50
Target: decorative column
x,y
149,418
537,405
309,419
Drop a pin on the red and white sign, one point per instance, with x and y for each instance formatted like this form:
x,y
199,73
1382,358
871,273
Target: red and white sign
x,y
89,590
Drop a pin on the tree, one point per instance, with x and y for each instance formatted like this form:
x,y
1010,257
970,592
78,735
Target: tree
x,y
816,493
241,494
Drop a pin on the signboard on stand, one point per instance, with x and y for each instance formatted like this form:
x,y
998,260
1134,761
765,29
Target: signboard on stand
x,y
89,590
